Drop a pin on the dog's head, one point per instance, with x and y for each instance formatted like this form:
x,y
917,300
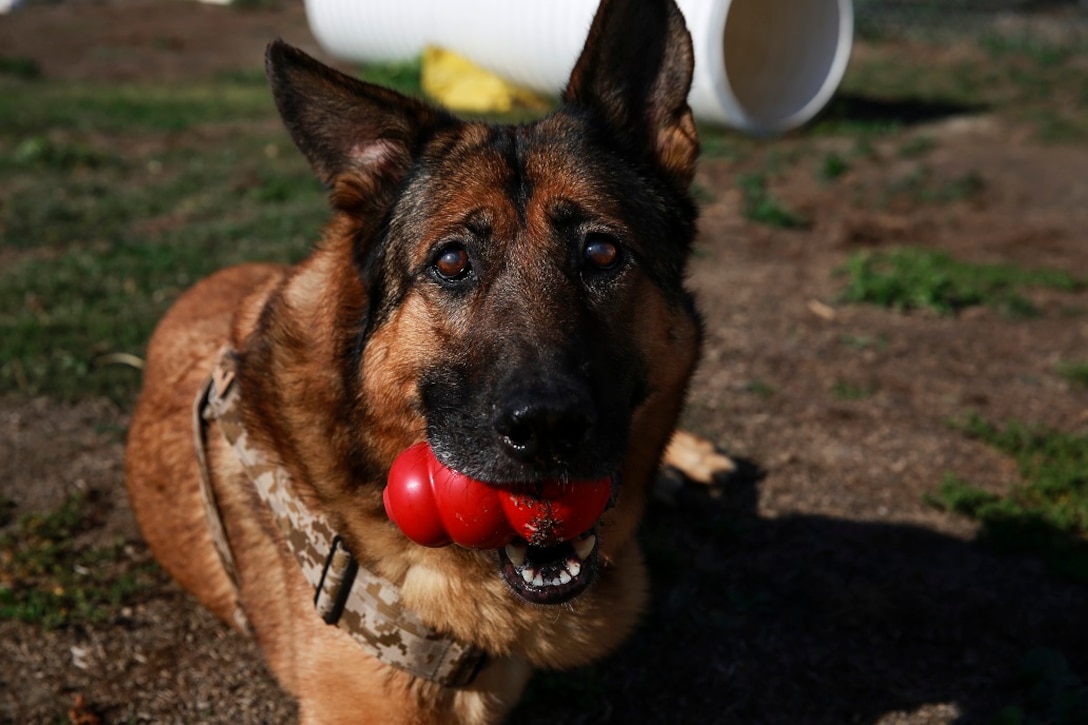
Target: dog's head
x,y
525,304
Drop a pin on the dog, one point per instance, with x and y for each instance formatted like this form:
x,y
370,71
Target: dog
x,y
511,294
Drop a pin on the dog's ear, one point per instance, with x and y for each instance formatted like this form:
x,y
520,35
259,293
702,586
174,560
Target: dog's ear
x,y
635,72
358,137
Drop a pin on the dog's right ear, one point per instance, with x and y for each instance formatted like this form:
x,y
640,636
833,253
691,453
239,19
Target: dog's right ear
x,y
359,138
635,73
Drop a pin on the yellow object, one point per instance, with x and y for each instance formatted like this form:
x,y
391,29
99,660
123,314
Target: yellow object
x,y
461,85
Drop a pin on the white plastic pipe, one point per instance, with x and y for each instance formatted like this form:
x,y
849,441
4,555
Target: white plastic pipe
x,y
762,66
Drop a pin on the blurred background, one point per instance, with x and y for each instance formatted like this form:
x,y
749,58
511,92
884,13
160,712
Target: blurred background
x,y
896,355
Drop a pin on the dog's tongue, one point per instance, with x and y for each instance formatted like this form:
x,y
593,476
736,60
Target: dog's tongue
x,y
436,506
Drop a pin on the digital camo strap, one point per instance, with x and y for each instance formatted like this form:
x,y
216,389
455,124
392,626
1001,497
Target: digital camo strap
x,y
211,506
360,602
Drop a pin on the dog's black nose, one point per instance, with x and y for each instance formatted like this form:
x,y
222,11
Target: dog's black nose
x,y
545,425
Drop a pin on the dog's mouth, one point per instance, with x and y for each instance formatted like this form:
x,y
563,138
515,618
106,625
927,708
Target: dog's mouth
x,y
550,574
545,532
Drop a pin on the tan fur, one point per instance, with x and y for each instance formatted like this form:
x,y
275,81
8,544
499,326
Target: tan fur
x,y
163,480
295,331
450,587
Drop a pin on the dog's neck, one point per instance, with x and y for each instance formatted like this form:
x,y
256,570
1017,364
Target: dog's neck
x,y
347,595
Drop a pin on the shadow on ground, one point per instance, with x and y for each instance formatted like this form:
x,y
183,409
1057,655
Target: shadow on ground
x,y
855,109
808,619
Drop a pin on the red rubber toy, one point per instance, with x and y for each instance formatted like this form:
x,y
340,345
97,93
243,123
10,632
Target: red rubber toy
x,y
435,506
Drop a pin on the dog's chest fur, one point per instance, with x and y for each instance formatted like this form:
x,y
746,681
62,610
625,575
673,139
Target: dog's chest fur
x,y
512,295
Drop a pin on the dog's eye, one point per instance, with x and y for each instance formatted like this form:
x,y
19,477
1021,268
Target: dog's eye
x,y
602,252
452,263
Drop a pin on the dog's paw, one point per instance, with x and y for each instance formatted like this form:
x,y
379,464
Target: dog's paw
x,y
689,458
697,459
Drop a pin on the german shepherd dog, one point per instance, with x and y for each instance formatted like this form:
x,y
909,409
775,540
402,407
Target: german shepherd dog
x,y
511,294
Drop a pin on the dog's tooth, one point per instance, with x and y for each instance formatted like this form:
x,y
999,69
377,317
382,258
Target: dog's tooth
x,y
527,574
556,582
565,577
574,567
516,554
584,547
538,580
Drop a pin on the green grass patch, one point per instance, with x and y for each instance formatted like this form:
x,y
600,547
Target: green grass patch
x,y
848,391
1043,53
117,266
1055,127
402,76
117,197
110,213
762,207
760,389
966,186
922,186
1049,691
19,67
832,167
30,108
1046,515
1026,77
43,154
917,146
1075,372
719,143
48,580
911,278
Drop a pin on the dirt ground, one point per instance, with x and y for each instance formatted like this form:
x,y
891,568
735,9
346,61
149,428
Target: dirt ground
x,y
818,587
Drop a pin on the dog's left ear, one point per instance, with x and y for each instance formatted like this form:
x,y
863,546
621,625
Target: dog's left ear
x,y
635,72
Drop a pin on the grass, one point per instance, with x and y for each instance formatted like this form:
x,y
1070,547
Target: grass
x,y
115,204
1028,77
865,342
910,278
760,389
38,153
50,580
32,108
720,143
922,186
1046,515
845,390
1075,372
1043,54
120,196
19,67
1050,691
917,146
404,76
832,167
762,207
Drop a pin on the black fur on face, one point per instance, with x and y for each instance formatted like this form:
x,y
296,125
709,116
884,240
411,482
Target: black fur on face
x,y
541,264
554,234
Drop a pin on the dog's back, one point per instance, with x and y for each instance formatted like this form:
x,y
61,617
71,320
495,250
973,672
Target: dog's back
x,y
161,468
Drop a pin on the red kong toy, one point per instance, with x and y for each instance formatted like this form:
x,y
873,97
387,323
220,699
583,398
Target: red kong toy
x,y
436,506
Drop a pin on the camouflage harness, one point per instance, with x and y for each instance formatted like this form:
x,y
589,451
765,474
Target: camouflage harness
x,y
347,595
